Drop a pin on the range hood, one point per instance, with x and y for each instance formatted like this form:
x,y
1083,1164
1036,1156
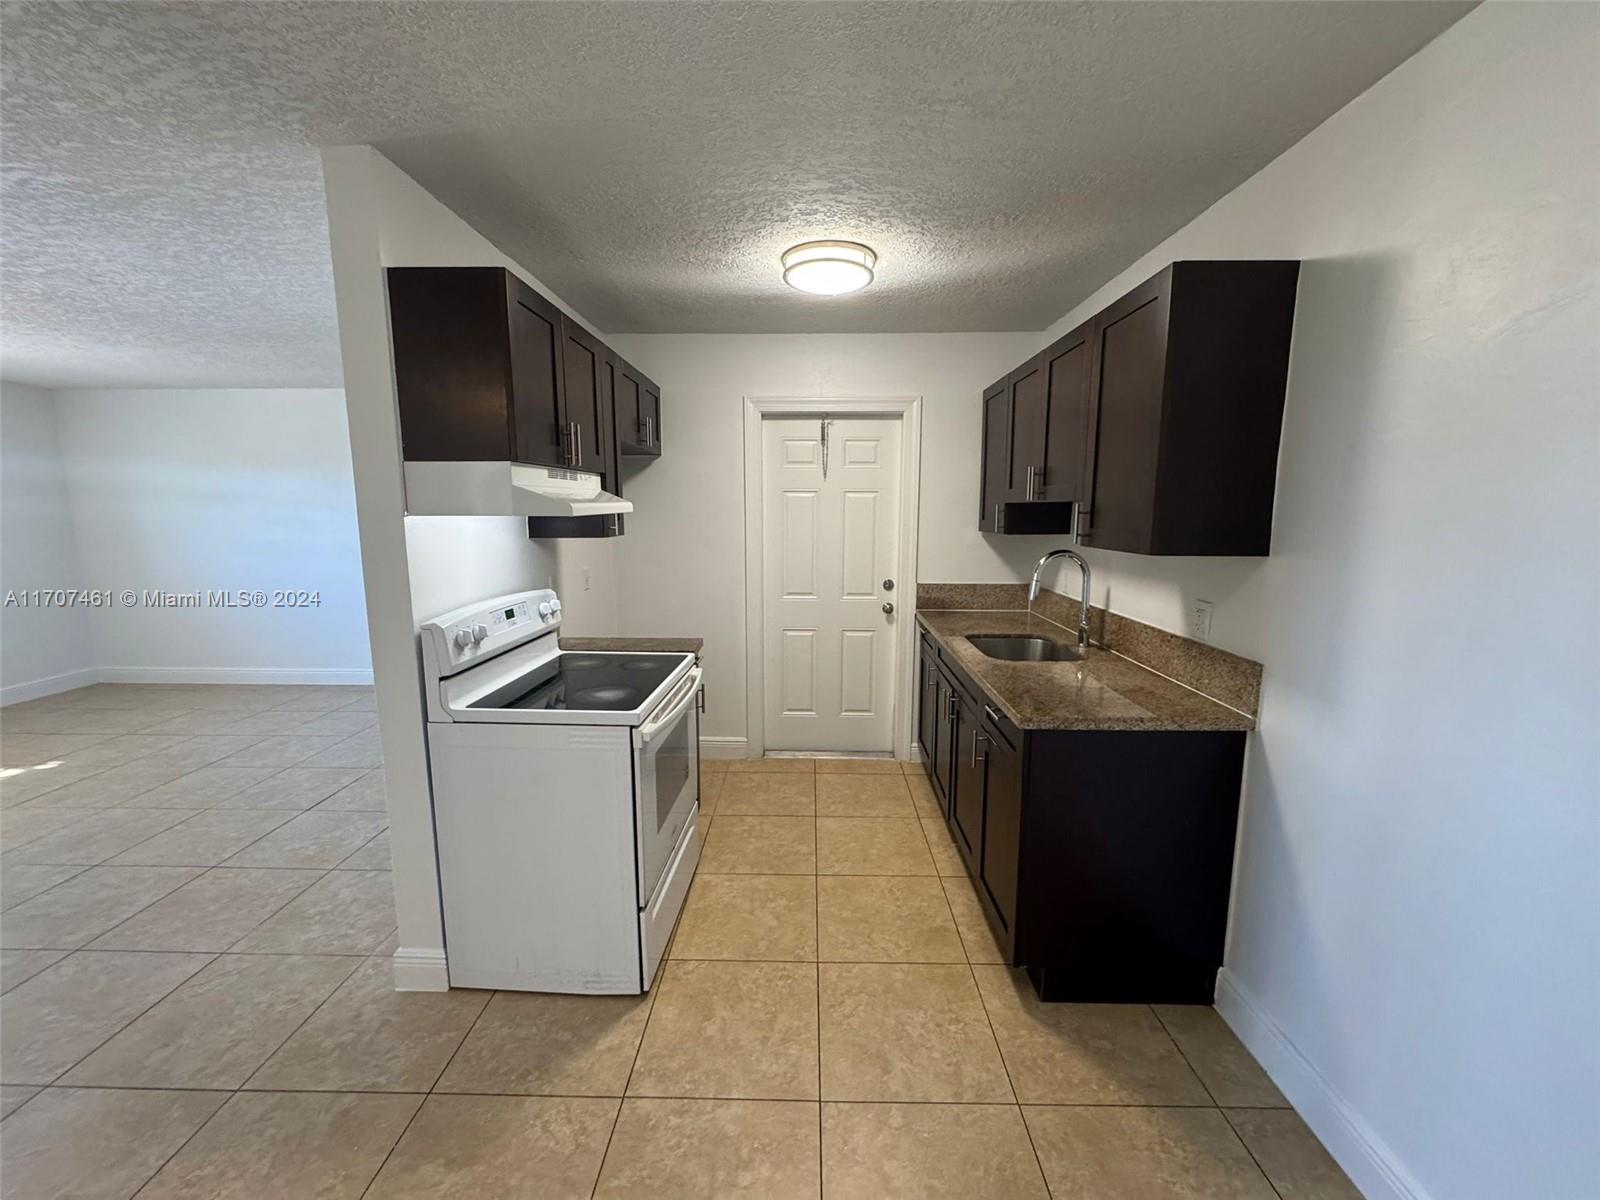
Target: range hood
x,y
506,489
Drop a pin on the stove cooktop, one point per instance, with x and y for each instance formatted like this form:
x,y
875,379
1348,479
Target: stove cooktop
x,y
586,683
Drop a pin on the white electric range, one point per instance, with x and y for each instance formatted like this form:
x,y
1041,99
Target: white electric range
x,y
566,792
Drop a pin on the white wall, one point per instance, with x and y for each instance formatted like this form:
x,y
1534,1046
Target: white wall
x,y
682,561
1417,909
194,490
45,649
418,567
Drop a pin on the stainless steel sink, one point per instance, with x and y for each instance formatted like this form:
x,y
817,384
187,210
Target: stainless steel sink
x,y
1024,647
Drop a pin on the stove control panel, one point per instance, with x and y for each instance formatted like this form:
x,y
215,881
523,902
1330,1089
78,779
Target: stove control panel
x,y
483,630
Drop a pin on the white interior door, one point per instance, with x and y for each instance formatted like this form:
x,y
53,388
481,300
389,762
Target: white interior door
x,y
830,515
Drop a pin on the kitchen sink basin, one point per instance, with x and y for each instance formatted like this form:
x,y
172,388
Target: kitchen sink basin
x,y
1024,647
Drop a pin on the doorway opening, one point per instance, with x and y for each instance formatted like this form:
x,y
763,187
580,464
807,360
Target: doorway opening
x,y
830,573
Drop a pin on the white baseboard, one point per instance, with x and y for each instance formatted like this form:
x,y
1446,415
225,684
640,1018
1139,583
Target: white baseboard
x,y
49,686
724,747
300,675
421,969
1369,1161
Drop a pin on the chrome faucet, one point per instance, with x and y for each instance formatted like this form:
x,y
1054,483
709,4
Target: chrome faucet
x,y
1083,607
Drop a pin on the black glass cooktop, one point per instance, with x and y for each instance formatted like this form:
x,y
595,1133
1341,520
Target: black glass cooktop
x,y
587,683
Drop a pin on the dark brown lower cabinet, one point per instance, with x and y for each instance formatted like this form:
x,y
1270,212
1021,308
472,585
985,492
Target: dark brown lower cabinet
x,y
1102,859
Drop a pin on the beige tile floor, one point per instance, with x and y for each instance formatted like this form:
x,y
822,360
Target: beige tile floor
x,y
196,1000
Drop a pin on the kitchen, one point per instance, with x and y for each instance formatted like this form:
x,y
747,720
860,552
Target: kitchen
x,y
997,729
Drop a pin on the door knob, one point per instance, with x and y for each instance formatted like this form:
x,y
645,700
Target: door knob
x,y
888,585
888,606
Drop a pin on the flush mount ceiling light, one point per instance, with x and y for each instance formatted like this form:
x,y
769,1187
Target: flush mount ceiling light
x,y
828,268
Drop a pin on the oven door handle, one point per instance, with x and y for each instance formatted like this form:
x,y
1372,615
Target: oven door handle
x,y
682,697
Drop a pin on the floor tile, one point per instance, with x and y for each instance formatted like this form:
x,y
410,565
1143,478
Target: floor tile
x,y
924,798
294,788
1083,1053
931,1151
368,1037
73,913
542,1044
367,793
20,827
1288,1152
376,855
907,1032
976,935
260,1144
202,840
946,858
114,786
359,750
23,881
28,783
13,1097
210,913
19,966
1107,1153
768,917
54,1019
344,912
863,796
711,788
204,787
734,1030
692,1149
1230,1073
216,1028
874,918
279,750
857,766
340,724
786,766
312,839
93,1144
510,1147
872,846
759,795
202,750
713,766
97,837
761,846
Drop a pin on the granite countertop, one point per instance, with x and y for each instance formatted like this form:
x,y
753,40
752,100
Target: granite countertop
x,y
642,645
1104,691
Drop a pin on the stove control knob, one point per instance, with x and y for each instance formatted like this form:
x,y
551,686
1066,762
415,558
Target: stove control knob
x,y
555,607
463,638
479,632
544,610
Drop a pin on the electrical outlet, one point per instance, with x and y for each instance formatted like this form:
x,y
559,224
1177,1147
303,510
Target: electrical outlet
x,y
1200,620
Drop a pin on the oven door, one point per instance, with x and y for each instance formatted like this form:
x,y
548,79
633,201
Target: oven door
x,y
666,773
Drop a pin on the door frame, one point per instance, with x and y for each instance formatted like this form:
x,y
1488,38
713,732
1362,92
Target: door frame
x,y
908,410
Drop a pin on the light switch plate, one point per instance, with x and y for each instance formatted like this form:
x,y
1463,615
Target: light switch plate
x,y
1200,620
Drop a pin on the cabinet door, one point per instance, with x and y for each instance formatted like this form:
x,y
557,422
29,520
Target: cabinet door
x,y
625,403
966,806
1130,374
927,708
1002,821
583,373
943,732
996,446
1063,425
1025,440
650,414
536,377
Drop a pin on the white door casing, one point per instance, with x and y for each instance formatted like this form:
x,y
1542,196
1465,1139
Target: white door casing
x,y
829,539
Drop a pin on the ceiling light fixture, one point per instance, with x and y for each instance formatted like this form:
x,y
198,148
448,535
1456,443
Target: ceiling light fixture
x,y
828,268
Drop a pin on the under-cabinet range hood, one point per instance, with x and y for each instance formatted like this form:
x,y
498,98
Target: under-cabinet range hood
x,y
506,489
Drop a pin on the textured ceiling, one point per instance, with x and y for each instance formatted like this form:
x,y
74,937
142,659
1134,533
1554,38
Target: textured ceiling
x,y
162,215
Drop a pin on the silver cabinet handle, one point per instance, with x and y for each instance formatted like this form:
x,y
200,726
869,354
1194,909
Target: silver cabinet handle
x,y
976,736
888,607
991,714
1028,491
577,442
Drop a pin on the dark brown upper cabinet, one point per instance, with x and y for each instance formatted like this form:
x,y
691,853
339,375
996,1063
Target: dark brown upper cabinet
x,y
477,359
638,408
586,402
1189,376
1153,427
